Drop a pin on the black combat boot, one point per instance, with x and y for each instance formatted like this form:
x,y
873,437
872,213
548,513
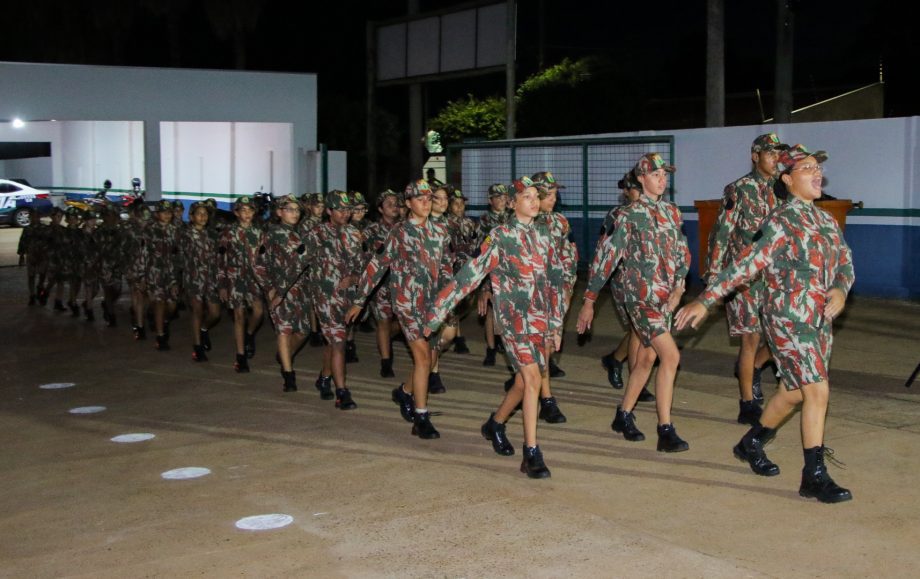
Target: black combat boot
x,y
290,381
499,345
750,449
490,357
645,395
32,299
386,368
495,432
533,465
198,354
460,346
204,337
343,399
139,333
509,383
669,441
549,411
749,412
614,369
422,426
405,402
241,365
324,385
88,312
435,386
554,370
625,423
351,352
817,483
756,385
59,306
162,343
316,339
249,344
74,309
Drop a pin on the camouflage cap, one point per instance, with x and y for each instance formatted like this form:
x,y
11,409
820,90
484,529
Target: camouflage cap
x,y
545,180
651,162
199,204
417,189
768,142
359,200
382,196
316,199
497,190
72,211
211,202
518,185
789,157
458,194
285,199
336,199
244,201
629,181
177,204
163,205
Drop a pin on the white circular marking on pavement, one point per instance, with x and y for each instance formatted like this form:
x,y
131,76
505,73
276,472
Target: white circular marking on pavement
x,y
186,472
57,385
264,522
134,437
87,409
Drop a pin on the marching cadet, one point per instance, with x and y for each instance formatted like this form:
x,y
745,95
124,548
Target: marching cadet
x,y
358,221
465,237
198,251
161,251
70,252
91,264
418,265
281,268
33,252
440,201
136,267
629,346
111,240
236,282
337,262
375,237
807,269
495,216
524,264
57,248
313,210
647,238
745,204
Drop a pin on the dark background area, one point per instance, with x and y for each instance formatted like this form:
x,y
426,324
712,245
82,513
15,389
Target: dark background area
x,y
652,54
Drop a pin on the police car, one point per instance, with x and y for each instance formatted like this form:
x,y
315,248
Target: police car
x,y
17,197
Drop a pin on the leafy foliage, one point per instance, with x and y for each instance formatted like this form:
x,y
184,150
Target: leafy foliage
x,y
470,118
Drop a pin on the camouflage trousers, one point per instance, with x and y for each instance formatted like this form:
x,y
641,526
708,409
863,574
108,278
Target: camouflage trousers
x,y
742,311
292,315
649,320
802,352
525,350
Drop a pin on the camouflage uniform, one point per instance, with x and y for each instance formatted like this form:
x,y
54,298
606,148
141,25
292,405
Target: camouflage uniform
x,y
558,228
161,256
464,235
236,253
375,238
745,204
336,254
112,253
198,251
489,221
282,258
617,289
418,264
647,238
33,243
58,242
524,265
801,254
135,257
91,263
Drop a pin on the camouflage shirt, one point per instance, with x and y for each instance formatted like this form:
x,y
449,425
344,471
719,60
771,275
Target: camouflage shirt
x,y
559,230
34,241
745,204
198,252
161,256
647,238
464,234
282,261
525,267
336,253
418,264
112,254
802,254
490,220
236,253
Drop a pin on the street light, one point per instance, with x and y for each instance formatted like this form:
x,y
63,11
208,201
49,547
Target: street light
x,y
18,123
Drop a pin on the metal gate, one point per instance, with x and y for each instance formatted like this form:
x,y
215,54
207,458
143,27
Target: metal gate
x,y
589,169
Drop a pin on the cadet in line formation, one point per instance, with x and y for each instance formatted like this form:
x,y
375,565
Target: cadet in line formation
x,y
318,268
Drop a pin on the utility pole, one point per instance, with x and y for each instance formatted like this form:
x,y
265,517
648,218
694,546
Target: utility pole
x,y
371,109
715,63
785,27
510,105
416,130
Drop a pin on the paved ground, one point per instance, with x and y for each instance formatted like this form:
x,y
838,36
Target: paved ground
x,y
368,499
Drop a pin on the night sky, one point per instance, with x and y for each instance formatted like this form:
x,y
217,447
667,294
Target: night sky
x,y
658,46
